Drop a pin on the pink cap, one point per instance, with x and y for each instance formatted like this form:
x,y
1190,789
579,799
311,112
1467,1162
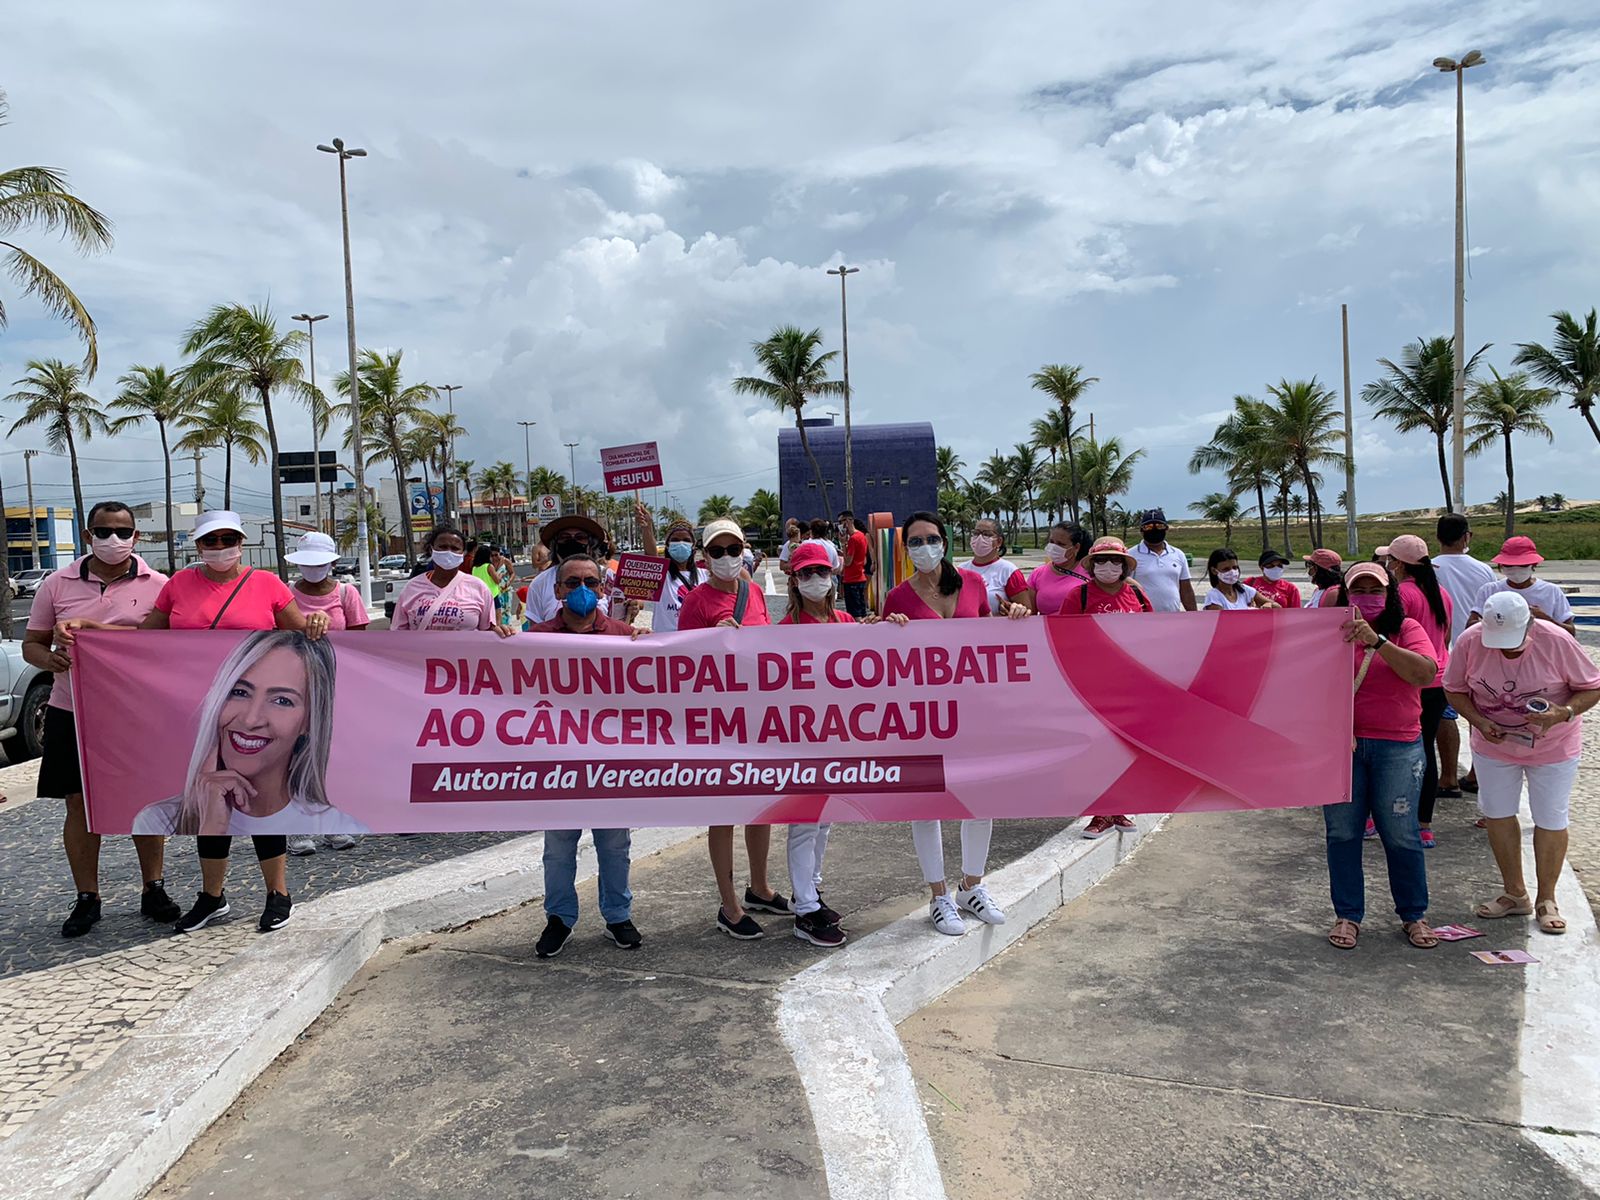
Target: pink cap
x,y
1518,551
1325,559
809,554
1408,548
1366,570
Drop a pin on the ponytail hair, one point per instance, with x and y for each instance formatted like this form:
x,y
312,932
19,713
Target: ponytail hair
x,y
949,577
1428,580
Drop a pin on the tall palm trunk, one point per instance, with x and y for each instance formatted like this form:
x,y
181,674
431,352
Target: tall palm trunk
x,y
1511,489
1283,494
405,503
1072,463
77,494
227,474
1444,472
277,485
816,467
1261,509
1311,496
1051,510
172,537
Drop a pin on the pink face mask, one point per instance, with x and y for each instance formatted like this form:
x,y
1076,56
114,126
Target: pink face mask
x,y
1370,606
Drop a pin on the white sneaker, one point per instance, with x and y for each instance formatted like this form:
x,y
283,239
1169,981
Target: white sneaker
x,y
340,841
301,844
980,904
945,917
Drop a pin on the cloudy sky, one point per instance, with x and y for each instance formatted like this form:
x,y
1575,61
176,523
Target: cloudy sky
x,y
583,214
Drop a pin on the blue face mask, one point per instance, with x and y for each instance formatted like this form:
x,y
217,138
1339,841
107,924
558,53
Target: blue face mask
x,y
680,551
581,602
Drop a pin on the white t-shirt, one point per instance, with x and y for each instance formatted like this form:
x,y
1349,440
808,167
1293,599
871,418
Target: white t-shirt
x,y
996,576
1462,577
1315,600
1540,592
162,817
1245,599
664,613
542,604
833,551
1160,574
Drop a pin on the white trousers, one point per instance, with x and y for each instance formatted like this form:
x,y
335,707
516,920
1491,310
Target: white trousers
x,y
925,835
1549,789
807,845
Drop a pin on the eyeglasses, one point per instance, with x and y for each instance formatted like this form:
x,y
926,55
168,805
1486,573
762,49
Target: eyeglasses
x,y
104,532
591,582
933,539
724,551
818,572
212,541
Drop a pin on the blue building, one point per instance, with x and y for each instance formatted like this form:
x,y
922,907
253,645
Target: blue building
x,y
893,465
51,529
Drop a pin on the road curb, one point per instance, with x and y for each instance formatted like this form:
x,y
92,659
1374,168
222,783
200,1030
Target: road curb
x,y
122,1126
838,1018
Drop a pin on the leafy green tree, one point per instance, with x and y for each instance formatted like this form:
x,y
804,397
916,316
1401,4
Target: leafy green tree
x,y
1104,470
154,394
53,398
37,199
1244,449
1220,508
1308,422
1049,433
947,467
1419,393
227,421
764,512
1065,385
793,372
1499,408
1027,472
715,507
389,409
1571,364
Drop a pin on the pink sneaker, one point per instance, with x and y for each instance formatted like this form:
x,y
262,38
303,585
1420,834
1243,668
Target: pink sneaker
x,y
1427,839
1123,823
1372,829
1098,827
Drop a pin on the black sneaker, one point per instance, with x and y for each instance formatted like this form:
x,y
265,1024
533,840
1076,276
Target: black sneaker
x,y
745,929
624,934
555,935
812,928
157,905
85,912
828,917
206,910
776,905
276,913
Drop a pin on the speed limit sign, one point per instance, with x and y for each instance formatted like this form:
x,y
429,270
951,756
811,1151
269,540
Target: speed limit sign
x,y
549,507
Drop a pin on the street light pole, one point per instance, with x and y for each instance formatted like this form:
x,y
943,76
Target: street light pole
x,y
33,518
316,423
844,272
363,551
450,498
527,463
1458,439
1349,441
572,459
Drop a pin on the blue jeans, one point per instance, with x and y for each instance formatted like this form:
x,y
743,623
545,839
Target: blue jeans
x,y
561,869
1386,785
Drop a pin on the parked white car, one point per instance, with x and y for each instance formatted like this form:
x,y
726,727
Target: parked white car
x,y
24,689
27,582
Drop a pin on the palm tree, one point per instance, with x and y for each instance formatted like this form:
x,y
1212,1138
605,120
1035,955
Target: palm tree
x,y
497,480
1104,471
795,372
1220,508
545,482
1419,393
1243,448
55,399
1026,474
37,198
1558,502
227,421
1499,408
378,526
947,466
443,430
977,500
1065,385
765,512
1049,433
238,350
715,507
1572,365
955,505
998,475
423,449
152,394
1308,424
388,410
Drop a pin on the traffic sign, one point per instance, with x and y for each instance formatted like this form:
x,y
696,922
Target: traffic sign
x,y
549,507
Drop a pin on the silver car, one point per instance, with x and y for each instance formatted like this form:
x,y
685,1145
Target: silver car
x,y
24,689
28,581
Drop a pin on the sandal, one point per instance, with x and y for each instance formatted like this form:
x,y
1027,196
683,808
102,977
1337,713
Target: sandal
x,y
1344,934
1505,905
1550,918
1420,936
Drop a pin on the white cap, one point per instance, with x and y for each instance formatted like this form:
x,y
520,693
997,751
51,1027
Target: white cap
x,y
721,527
210,522
313,550
1505,621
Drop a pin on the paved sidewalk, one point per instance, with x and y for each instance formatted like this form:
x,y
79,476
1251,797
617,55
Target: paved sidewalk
x,y
1184,1030
462,1065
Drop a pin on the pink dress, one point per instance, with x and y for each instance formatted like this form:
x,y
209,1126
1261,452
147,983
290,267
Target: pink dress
x,y
972,602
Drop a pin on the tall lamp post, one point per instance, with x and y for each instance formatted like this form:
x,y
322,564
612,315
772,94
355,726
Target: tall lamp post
x,y
33,517
572,461
451,502
316,422
843,272
1458,445
527,464
363,550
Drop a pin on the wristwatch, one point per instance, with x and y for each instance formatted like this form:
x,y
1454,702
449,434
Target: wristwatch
x,y
1380,643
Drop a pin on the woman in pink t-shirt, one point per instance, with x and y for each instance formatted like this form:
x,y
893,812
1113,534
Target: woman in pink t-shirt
x,y
1521,683
1051,583
1426,603
447,598
1392,660
938,590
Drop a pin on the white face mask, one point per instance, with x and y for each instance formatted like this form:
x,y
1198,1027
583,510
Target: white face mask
x,y
1108,572
815,587
448,560
1273,574
1229,577
225,559
315,574
927,558
982,545
1519,574
727,567
1055,553
111,551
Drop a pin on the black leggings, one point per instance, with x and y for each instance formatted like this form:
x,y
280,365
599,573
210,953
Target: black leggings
x,y
269,845
1433,705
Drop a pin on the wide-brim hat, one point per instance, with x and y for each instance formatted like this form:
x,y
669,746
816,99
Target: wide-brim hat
x,y
313,550
221,519
554,529
1111,545
1518,551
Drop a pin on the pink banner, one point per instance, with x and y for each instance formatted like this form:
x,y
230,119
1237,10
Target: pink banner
x,y
396,732
628,468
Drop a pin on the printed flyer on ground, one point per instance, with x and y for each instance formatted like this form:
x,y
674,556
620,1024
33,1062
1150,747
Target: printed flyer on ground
x,y
210,732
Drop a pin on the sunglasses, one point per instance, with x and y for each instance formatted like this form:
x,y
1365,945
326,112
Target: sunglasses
x,y
814,572
933,539
105,532
589,581
724,551
213,541
1105,559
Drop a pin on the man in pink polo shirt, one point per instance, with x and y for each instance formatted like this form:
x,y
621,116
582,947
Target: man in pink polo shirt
x,y
115,586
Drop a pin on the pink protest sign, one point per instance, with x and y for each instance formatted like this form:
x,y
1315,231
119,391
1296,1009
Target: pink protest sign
x,y
641,576
630,467
266,733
